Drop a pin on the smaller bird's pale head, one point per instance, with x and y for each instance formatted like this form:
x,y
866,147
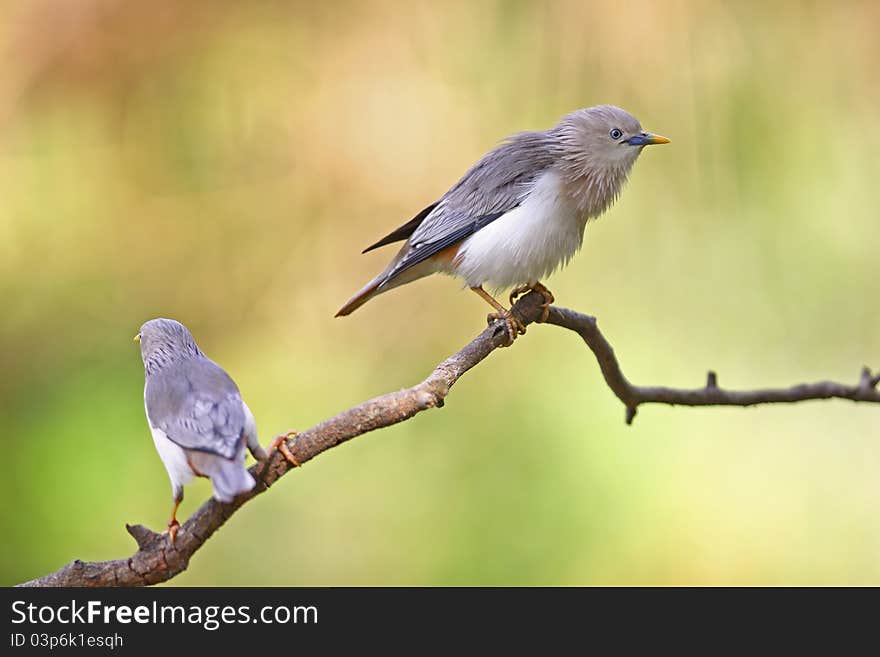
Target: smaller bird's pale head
x,y
165,341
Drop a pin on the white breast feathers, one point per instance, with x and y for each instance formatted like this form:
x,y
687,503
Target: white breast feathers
x,y
527,243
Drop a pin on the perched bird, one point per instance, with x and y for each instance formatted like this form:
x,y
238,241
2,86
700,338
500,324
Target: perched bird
x,y
199,422
520,212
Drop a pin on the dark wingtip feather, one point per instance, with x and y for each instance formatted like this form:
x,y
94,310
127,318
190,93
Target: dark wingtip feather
x,y
404,231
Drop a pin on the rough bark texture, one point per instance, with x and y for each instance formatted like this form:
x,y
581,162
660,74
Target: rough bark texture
x,y
156,560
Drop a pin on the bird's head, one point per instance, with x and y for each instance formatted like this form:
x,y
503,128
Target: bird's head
x,y
605,136
165,341
597,148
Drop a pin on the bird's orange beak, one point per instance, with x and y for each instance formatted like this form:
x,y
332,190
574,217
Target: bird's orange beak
x,y
656,139
646,139
137,338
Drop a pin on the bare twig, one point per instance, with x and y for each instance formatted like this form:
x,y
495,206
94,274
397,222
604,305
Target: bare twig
x,y
710,395
156,560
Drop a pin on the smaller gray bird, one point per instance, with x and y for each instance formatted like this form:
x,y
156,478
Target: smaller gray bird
x,y
199,422
519,213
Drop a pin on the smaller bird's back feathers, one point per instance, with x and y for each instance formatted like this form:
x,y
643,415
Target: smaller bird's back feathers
x,y
197,405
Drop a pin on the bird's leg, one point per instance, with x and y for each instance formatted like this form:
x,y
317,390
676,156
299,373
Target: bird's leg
x,y
173,525
280,443
514,326
538,287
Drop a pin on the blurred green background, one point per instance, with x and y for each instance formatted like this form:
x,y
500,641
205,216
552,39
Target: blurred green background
x,y
224,163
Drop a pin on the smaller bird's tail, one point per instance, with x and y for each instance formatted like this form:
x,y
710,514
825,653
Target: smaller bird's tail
x,y
229,476
366,293
231,479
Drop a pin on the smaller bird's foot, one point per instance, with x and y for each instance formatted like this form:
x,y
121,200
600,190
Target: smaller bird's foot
x,y
280,443
173,526
540,289
514,326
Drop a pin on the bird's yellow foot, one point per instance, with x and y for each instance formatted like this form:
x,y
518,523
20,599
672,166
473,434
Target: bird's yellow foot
x,y
540,289
548,299
516,292
514,326
173,526
280,443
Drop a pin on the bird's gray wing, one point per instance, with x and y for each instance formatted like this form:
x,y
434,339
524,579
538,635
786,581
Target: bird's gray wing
x,y
198,406
491,188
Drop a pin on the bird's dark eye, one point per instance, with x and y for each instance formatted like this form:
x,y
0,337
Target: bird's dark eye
x,y
616,133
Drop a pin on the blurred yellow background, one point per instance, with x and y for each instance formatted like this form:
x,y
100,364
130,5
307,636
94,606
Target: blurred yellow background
x,y
224,163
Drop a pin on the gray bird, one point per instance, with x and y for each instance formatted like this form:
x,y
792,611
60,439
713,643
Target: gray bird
x,y
199,422
520,212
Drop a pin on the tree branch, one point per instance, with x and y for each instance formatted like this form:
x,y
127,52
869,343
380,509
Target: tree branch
x,y
156,560
709,395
